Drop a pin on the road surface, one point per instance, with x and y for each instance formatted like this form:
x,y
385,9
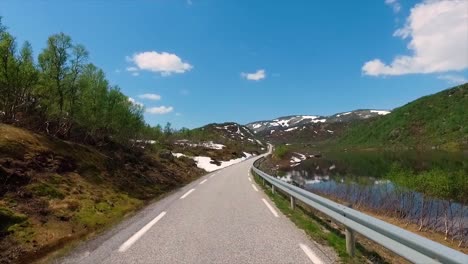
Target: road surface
x,y
222,217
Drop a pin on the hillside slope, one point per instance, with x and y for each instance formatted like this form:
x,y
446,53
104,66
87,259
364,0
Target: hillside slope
x,y
435,121
219,141
310,129
54,191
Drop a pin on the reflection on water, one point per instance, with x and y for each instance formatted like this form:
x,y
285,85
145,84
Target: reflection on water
x,y
365,180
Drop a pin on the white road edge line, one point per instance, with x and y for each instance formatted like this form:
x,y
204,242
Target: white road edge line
x,y
140,233
310,254
212,175
250,180
254,187
202,182
272,210
187,193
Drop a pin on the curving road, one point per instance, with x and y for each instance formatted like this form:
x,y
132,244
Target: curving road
x,y
221,218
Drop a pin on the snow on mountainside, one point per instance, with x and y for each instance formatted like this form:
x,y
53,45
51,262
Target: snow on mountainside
x,y
236,132
310,128
215,146
291,123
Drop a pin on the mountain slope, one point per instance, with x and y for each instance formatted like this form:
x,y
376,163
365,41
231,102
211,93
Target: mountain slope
x,y
437,121
302,128
221,142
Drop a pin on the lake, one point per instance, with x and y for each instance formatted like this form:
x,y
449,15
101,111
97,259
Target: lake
x,y
427,188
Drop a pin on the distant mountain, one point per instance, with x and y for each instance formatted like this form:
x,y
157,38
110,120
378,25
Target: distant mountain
x,y
223,141
233,132
305,128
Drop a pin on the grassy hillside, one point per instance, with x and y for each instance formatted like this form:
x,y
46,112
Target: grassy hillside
x,y
435,121
54,191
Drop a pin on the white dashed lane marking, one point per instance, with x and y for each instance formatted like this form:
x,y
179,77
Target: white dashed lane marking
x,y
255,188
140,233
187,194
310,254
272,210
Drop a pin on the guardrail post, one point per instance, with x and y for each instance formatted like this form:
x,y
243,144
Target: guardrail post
x,y
272,188
350,239
293,202
263,181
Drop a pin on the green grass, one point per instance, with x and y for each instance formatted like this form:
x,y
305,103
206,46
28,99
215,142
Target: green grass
x,y
9,218
46,190
318,229
95,214
281,151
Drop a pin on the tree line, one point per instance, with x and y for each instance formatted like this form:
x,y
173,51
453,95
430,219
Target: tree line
x,y
64,95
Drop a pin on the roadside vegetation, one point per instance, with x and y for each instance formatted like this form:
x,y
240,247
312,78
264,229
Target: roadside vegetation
x,y
281,151
55,192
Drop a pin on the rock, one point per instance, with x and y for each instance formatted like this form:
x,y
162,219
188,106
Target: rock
x,y
166,154
216,162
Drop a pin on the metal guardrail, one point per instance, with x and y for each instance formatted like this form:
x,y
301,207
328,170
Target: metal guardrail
x,y
410,246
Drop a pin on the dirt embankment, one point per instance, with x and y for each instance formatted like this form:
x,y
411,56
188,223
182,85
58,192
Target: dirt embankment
x,y
53,192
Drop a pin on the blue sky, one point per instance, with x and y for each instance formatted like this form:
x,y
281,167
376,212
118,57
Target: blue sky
x,y
215,61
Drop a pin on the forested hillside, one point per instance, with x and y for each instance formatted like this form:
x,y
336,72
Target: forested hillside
x,y
63,94
435,121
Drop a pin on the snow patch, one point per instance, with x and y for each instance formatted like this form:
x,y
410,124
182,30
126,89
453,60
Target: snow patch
x,y
208,144
309,117
145,141
291,129
178,155
205,162
301,156
299,159
319,120
347,113
295,160
380,112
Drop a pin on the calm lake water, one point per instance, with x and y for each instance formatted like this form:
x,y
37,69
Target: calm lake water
x,y
365,179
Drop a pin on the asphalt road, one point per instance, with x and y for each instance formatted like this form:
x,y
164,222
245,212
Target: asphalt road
x,y
221,218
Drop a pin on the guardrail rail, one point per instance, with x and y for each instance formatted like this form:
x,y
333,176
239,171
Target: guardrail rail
x,y
408,245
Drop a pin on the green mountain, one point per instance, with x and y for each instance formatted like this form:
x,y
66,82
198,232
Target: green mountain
x,y
434,121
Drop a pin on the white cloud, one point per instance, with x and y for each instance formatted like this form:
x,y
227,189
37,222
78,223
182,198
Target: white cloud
x,y
160,110
163,63
135,73
438,33
135,102
453,79
256,76
154,97
396,6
